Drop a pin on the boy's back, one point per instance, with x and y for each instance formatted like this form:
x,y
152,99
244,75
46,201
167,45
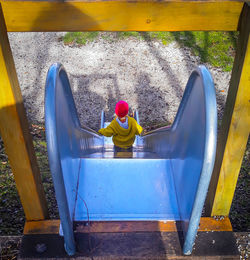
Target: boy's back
x,y
122,137
123,128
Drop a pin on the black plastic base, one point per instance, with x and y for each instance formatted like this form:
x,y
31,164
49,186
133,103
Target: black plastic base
x,y
140,245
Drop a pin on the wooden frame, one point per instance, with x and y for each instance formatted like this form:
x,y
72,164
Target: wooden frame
x,y
124,16
15,133
121,15
235,127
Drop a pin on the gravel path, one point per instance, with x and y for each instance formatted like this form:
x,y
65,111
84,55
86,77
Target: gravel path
x,y
151,77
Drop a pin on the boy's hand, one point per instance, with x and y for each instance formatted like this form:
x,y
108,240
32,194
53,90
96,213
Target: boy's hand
x,y
143,132
132,114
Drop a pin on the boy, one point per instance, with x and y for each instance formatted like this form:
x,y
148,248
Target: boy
x,y
123,128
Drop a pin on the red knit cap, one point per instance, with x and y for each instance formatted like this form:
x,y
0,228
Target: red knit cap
x,y
121,108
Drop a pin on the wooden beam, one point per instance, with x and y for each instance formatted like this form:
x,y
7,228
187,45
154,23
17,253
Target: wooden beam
x,y
14,130
52,226
212,224
41,227
206,224
235,127
126,226
154,15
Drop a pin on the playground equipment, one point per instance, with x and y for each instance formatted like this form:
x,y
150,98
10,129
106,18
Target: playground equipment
x,y
166,179
124,16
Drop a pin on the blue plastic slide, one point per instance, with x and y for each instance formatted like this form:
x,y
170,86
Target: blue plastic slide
x,y
166,177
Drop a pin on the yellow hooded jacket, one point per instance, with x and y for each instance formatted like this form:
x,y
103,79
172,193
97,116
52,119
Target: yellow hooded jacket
x,y
122,137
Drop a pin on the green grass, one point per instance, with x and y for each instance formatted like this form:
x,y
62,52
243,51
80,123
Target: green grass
x,y
215,48
79,38
40,145
164,37
11,212
123,35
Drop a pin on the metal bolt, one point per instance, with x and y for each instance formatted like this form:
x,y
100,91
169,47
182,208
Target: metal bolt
x,y
41,248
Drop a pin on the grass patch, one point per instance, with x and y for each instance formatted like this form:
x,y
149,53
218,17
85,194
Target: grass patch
x,y
164,37
40,145
215,48
79,38
124,35
11,212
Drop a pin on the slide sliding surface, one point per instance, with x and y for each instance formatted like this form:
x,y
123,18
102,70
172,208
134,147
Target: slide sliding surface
x,y
134,190
166,177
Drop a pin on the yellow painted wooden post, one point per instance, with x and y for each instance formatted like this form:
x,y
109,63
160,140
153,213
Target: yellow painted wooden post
x,y
15,133
235,126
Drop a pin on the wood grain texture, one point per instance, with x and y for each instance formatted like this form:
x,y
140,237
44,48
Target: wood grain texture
x,y
14,130
212,224
206,224
42,227
235,127
125,226
121,15
52,226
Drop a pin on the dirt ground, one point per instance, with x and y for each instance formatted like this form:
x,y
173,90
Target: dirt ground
x,y
150,76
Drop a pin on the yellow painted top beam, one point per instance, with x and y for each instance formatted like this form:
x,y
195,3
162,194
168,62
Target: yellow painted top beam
x,y
24,16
